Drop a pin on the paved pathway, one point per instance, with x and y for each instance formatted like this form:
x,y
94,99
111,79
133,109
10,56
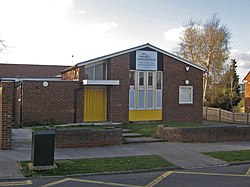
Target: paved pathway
x,y
185,155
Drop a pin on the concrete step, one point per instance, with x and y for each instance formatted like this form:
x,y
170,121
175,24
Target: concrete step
x,y
141,140
131,135
126,131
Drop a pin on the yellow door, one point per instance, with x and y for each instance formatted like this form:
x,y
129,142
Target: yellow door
x,y
95,104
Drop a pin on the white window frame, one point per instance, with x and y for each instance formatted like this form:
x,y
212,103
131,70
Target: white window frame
x,y
94,66
150,88
142,88
158,90
191,95
144,80
132,87
134,103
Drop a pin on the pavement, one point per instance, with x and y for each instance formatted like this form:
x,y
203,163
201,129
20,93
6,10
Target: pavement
x,y
184,155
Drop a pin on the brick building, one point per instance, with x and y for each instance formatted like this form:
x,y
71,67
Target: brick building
x,y
246,81
144,83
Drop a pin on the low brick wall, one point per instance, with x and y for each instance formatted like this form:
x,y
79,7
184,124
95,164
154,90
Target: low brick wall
x,y
73,138
204,134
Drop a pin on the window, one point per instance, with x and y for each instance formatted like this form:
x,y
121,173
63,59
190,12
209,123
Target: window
x,y
141,91
159,90
132,79
141,79
150,99
131,99
159,82
145,90
141,99
158,99
150,79
100,72
185,94
89,73
97,72
150,90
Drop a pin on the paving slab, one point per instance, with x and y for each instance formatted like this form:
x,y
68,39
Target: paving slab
x,y
131,135
131,140
126,130
185,155
22,134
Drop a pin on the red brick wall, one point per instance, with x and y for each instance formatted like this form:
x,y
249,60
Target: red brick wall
x,y
204,134
247,104
174,75
118,96
17,104
53,103
71,138
81,73
247,94
79,104
6,106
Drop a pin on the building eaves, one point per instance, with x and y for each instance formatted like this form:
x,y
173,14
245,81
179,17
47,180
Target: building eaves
x,y
139,48
245,78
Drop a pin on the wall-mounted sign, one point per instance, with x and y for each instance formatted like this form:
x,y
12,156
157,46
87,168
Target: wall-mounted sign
x,y
146,60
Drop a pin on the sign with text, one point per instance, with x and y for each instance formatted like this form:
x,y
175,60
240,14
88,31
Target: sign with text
x,y
146,60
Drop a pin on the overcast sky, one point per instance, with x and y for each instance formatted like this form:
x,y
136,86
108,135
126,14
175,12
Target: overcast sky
x,y
51,31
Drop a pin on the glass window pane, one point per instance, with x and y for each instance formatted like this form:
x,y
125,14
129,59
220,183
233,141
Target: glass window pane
x,y
150,79
141,99
89,73
99,72
150,99
132,79
158,86
131,99
158,99
185,94
141,79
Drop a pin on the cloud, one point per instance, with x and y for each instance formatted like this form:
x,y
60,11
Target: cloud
x,y
243,59
81,12
102,27
174,34
243,62
172,37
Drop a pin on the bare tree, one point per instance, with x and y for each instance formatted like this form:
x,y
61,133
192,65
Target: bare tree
x,y
3,46
206,45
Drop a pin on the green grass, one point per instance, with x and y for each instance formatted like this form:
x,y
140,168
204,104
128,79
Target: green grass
x,y
96,165
145,129
231,156
150,129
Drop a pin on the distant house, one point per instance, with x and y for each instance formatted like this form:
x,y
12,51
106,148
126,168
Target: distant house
x,y
143,83
246,81
242,88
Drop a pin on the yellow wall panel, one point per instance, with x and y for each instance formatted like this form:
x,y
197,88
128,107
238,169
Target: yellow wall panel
x,y
145,115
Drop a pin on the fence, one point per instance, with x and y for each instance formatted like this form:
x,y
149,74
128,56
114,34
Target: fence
x,y
218,114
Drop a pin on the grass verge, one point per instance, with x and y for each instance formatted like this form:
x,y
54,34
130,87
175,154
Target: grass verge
x,y
98,165
231,156
150,129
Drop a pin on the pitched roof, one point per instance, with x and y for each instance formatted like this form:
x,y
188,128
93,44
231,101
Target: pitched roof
x,y
138,48
247,77
30,70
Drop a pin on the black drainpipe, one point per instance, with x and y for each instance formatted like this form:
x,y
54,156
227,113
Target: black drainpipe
x,y
21,104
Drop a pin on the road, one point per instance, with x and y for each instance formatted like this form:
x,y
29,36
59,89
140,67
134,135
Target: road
x,y
206,177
